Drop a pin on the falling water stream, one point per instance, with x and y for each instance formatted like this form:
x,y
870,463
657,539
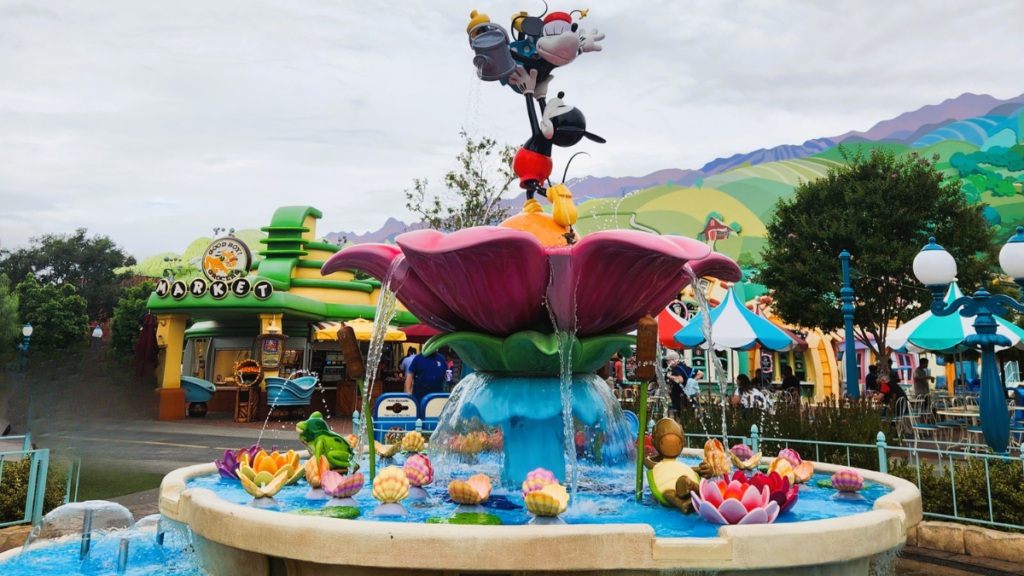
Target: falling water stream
x,y
387,307
561,305
715,361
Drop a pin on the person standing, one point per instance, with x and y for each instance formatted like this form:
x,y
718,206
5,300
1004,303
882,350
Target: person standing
x,y
679,374
759,380
790,383
894,374
871,380
407,360
426,375
922,379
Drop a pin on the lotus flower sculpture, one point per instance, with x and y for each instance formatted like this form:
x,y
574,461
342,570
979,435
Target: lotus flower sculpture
x,y
272,463
783,468
734,502
513,267
341,489
228,467
420,473
847,480
390,487
470,492
780,490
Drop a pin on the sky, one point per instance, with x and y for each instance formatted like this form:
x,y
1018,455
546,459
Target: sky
x,y
154,122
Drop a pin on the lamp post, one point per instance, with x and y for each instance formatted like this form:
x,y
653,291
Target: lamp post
x,y
850,355
935,268
27,333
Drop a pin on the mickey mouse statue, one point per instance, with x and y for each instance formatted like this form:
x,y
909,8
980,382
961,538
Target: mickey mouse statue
x,y
541,44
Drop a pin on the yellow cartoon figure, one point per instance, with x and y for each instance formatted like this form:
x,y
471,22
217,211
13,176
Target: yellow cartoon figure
x,y
221,266
562,208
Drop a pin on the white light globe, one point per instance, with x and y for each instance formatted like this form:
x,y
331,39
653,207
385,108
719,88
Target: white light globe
x,y
934,266
1011,257
27,330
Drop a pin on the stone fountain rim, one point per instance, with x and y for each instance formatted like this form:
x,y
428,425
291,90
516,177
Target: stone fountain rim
x,y
526,548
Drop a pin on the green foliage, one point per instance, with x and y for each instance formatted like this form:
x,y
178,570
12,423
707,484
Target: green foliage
x,y
87,264
57,315
128,316
10,327
974,167
882,209
830,421
473,191
972,492
698,182
14,489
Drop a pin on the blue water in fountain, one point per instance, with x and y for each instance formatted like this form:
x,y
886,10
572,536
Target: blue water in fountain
x,y
606,496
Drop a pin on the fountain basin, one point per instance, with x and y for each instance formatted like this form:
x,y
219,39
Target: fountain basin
x,y
234,539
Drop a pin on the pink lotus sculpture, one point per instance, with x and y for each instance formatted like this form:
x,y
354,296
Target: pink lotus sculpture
x,y
780,490
735,502
513,268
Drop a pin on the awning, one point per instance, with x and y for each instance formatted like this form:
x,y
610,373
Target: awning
x,y
419,333
363,328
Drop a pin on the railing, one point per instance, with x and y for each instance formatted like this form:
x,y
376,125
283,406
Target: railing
x,y
39,467
948,458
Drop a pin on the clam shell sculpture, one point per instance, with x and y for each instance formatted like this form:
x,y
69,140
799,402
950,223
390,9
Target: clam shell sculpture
x,y
847,480
413,442
549,501
783,468
803,472
315,469
386,450
473,491
791,456
537,480
743,458
716,458
742,451
391,485
338,486
418,470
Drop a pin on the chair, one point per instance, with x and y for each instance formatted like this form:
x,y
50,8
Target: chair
x,y
947,424
911,423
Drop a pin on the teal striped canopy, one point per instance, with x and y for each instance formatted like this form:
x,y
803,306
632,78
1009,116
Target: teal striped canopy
x,y
931,333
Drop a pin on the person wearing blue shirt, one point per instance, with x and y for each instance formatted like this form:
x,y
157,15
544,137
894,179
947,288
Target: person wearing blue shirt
x,y
407,361
426,375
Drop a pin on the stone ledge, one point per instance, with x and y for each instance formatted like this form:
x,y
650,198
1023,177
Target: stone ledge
x,y
13,537
942,536
967,540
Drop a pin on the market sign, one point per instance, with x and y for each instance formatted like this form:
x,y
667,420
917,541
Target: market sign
x,y
226,259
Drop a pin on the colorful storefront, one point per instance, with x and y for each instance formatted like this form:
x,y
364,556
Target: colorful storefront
x,y
205,327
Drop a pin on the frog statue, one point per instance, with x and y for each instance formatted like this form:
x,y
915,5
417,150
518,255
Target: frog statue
x,y
318,438
671,481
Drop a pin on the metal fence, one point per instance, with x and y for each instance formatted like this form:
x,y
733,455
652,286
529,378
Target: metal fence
x,y
39,468
948,458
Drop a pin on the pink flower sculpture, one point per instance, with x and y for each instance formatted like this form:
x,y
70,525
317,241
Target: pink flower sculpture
x,y
780,490
228,467
847,480
734,502
451,282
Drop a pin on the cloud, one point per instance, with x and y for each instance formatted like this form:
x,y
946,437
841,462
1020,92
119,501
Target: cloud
x,y
153,123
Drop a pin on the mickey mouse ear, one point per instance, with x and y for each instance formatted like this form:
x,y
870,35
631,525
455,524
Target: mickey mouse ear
x,y
595,138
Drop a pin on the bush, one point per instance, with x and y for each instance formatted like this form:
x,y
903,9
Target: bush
x,y
14,489
972,496
830,421
128,316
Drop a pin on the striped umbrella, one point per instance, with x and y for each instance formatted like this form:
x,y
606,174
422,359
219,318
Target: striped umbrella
x,y
931,333
734,327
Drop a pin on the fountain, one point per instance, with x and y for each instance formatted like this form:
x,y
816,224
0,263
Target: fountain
x,y
532,467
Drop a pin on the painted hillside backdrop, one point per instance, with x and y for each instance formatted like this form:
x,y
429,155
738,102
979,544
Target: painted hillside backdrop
x,y
729,200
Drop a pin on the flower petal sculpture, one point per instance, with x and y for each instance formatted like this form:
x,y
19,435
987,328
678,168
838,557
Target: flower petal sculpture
x,y
228,467
847,480
783,468
514,268
734,503
549,501
715,458
471,492
780,490
338,486
413,442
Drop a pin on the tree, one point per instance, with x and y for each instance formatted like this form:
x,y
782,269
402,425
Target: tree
x,y
473,191
88,264
882,209
127,319
56,314
10,327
